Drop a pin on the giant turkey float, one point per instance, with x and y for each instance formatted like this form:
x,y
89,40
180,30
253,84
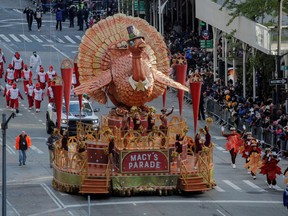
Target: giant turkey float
x,y
136,150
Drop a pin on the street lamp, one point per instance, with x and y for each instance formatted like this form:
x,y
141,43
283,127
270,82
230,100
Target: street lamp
x,y
4,127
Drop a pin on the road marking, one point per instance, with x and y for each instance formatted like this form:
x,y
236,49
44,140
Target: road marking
x,y
18,11
78,37
220,148
53,196
59,40
12,207
25,38
70,39
47,39
36,38
278,188
5,38
8,148
14,37
58,50
219,189
235,187
219,137
251,184
220,212
36,149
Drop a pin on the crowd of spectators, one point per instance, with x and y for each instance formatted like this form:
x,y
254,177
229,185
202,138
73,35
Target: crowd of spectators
x,y
256,113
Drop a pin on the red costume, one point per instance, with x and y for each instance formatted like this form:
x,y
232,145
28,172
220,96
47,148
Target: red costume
x,y
234,141
13,94
30,89
42,78
10,74
50,74
2,61
26,75
18,65
8,86
38,97
50,94
270,168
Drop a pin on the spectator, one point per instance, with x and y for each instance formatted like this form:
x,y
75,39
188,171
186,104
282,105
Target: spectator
x,y
72,13
29,16
23,143
38,17
59,19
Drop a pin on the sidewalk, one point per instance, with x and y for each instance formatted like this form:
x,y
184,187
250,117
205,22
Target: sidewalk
x,y
15,4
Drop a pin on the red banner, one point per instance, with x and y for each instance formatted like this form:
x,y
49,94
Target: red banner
x,y
181,70
58,95
195,89
67,80
145,161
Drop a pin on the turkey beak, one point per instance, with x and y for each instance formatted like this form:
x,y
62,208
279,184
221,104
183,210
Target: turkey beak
x,y
142,45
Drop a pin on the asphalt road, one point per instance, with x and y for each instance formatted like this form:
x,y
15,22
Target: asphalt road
x,y
29,190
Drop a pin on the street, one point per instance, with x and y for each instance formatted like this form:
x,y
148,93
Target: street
x,y
29,189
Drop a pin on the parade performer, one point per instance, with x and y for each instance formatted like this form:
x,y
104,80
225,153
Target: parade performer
x,y
270,168
37,97
51,73
151,119
35,64
164,119
13,94
8,86
246,147
125,123
206,132
234,141
50,94
42,78
111,150
179,149
18,65
26,74
137,122
198,148
254,160
10,74
30,88
2,61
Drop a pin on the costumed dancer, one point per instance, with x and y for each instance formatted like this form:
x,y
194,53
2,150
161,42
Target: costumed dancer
x,y
111,151
51,73
125,123
18,65
164,119
8,86
50,94
254,160
30,89
137,122
10,74
270,168
14,93
206,132
246,148
2,61
198,148
37,97
26,74
234,141
179,149
42,78
151,119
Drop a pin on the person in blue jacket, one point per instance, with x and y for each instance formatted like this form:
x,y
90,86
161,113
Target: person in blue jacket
x,y
59,19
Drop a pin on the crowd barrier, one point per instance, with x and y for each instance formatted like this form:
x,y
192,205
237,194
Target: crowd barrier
x,y
267,138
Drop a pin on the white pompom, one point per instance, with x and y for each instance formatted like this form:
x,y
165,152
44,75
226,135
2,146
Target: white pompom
x,y
222,129
244,127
